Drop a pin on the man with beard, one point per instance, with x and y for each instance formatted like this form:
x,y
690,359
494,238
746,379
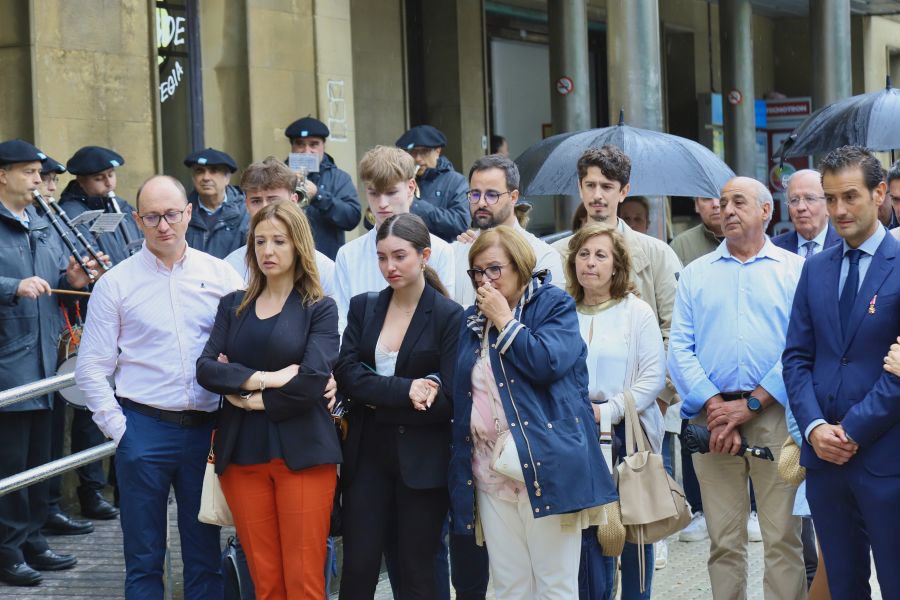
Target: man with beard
x,y
493,193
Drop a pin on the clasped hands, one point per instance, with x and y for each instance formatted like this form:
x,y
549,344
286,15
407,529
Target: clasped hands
x,y
275,380
723,422
422,393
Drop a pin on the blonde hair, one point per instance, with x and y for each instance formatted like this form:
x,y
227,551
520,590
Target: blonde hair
x,y
510,241
620,285
383,166
306,274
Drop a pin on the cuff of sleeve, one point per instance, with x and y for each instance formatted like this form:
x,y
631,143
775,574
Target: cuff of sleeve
x,y
694,401
116,428
812,426
507,335
435,378
774,384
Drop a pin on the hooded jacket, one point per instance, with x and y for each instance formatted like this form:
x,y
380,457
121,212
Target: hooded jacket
x,y
74,200
229,230
334,210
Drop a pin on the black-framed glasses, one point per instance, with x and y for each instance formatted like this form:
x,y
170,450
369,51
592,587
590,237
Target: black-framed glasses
x,y
171,217
808,200
493,273
490,196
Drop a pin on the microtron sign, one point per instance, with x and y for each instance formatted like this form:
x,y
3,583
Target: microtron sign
x,y
789,109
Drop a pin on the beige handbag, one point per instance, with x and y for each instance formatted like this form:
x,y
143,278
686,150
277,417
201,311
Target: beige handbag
x,y
653,504
505,455
611,535
213,507
789,468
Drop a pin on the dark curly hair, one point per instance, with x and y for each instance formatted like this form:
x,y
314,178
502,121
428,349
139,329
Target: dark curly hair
x,y
612,162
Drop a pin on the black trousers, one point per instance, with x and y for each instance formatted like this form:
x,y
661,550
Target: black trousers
x,y
378,506
24,443
85,434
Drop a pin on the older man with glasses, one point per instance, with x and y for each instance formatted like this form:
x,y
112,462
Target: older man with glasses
x,y
806,205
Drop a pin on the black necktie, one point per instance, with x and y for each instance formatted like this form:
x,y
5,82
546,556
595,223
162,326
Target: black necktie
x,y
848,294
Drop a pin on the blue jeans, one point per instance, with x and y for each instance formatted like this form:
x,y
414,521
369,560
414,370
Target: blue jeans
x,y
153,456
631,578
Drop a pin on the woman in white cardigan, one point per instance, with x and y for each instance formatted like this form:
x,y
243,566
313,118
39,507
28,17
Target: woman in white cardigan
x,y
625,352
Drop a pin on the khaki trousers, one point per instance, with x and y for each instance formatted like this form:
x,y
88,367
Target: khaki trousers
x,y
726,505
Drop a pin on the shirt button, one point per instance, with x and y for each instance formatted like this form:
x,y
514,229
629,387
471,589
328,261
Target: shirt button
x,y
401,429
525,423
468,438
469,526
469,482
537,510
512,424
844,361
501,384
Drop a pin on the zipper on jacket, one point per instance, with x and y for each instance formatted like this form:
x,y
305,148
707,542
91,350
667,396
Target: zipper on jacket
x,y
537,484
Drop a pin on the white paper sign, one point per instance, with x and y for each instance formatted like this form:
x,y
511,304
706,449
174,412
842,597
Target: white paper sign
x,y
308,163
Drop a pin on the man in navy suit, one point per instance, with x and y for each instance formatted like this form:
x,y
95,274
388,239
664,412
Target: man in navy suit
x,y
845,316
806,205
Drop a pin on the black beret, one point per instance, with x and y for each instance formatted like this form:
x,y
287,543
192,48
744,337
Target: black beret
x,y
210,156
93,159
52,166
307,127
422,135
19,151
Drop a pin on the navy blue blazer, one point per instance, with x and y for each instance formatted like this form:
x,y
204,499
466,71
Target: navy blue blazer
x,y
788,240
841,378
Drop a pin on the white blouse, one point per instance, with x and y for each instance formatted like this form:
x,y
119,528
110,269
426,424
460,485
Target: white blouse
x,y
625,350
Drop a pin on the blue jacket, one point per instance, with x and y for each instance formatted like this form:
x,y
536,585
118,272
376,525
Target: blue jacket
x,y
29,329
230,229
334,210
539,362
75,201
788,240
840,378
442,202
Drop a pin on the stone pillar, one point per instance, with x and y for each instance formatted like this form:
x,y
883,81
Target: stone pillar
x,y
569,81
635,82
829,24
736,35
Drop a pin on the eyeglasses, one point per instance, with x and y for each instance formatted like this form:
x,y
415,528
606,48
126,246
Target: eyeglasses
x,y
49,178
490,196
493,273
807,200
171,217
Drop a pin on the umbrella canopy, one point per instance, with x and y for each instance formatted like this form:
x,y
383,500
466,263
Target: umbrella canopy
x,y
871,120
661,164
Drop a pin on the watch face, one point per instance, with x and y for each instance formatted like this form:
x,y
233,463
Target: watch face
x,y
753,404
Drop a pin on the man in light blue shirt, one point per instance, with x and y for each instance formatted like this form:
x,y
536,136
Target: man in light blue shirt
x,y
728,332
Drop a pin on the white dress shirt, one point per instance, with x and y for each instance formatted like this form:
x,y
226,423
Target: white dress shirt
x,y
818,243
146,326
356,270
546,255
238,260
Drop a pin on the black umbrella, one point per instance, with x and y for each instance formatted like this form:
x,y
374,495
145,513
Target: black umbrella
x,y
661,164
695,439
870,120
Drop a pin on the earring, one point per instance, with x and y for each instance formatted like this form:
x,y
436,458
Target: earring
x,y
614,273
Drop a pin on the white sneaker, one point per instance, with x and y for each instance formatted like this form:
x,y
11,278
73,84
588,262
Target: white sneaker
x,y
661,554
696,531
753,532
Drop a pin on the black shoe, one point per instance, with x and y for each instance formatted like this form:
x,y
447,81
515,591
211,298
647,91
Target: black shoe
x,y
95,506
63,524
20,574
48,560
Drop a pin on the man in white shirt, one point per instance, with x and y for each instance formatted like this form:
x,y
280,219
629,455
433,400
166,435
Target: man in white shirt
x,y
389,177
806,206
148,321
263,183
493,193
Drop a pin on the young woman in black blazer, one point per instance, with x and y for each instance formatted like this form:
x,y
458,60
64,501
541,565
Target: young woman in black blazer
x,y
395,367
270,354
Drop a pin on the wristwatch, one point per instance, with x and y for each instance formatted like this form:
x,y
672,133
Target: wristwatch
x,y
754,405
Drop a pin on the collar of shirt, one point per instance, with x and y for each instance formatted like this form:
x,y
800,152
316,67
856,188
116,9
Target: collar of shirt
x,y
211,212
620,225
819,240
767,251
157,265
871,244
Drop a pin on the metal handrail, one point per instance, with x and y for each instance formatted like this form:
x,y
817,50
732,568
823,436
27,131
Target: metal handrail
x,y
37,388
56,467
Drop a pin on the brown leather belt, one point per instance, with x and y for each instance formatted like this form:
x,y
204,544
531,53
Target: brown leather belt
x,y
729,396
182,418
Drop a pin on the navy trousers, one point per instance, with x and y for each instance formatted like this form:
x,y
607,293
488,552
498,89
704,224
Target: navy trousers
x,y
154,456
854,511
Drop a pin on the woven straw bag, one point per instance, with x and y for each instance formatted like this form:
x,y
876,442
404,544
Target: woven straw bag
x,y
789,468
